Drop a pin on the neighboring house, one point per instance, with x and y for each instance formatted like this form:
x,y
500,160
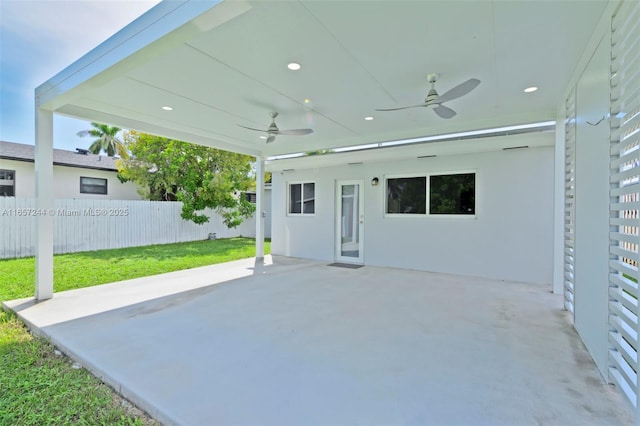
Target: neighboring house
x,y
93,210
76,174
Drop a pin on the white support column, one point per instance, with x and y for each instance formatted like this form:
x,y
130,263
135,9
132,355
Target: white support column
x,y
44,204
259,207
558,207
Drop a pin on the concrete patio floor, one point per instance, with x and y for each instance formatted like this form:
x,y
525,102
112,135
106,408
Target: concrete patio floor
x,y
297,342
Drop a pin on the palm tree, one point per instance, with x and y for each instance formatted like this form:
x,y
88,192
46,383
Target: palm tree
x,y
106,139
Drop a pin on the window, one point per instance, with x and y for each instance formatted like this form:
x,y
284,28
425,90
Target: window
x,y
7,183
444,194
89,185
302,198
452,194
407,195
250,197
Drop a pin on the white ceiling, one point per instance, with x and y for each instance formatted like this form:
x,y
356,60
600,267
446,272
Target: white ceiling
x,y
229,67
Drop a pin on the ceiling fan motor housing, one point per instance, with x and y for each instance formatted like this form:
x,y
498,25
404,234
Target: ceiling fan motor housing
x,y
431,96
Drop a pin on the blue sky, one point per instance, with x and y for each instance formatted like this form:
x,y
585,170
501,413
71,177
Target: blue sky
x,y
38,39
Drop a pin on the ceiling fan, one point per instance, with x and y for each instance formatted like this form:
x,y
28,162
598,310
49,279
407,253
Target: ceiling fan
x,y
435,100
273,131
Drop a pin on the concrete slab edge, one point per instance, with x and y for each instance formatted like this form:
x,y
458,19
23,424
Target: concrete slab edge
x,y
150,409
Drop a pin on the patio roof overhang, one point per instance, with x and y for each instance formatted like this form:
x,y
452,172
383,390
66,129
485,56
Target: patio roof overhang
x,y
220,64
223,63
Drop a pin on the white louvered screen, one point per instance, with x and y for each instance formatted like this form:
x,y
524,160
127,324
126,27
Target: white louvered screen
x,y
625,199
569,198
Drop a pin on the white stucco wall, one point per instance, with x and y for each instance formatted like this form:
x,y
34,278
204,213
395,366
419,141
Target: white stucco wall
x,y
511,237
67,182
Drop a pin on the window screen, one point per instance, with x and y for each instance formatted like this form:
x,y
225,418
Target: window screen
x,y
89,185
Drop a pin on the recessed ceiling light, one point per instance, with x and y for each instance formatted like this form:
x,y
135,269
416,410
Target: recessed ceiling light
x,y
294,66
369,118
262,137
307,105
167,108
530,89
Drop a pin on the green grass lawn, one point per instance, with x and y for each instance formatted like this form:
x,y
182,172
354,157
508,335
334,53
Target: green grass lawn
x,y
39,386
77,270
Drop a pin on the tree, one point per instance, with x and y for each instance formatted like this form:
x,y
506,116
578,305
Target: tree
x,y
106,140
196,175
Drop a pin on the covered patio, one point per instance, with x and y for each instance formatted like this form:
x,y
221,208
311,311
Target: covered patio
x,y
290,341
300,342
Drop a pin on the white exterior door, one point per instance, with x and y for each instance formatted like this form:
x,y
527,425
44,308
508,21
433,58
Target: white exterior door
x,y
349,221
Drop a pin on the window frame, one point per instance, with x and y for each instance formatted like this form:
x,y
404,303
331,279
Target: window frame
x,y
427,213
106,186
13,180
302,201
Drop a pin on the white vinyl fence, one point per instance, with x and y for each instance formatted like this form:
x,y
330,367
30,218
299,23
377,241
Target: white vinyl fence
x,y
85,225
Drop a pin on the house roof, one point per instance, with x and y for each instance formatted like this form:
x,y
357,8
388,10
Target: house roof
x,y
221,64
24,152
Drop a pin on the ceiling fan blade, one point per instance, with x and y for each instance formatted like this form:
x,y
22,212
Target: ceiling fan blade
x,y
460,90
295,132
271,138
444,112
251,128
396,109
